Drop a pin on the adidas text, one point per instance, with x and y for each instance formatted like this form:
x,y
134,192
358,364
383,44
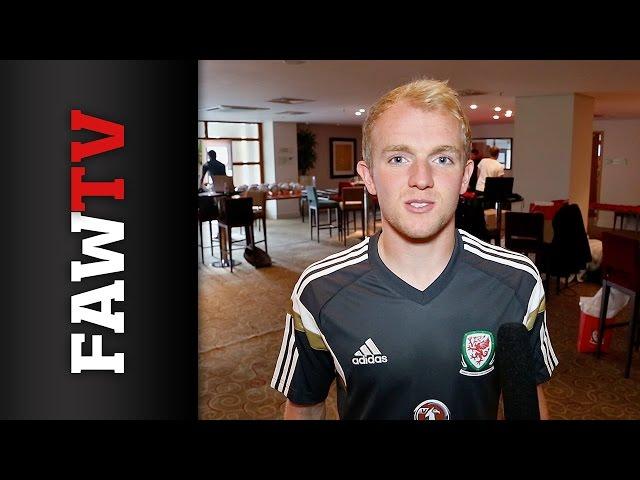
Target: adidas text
x,y
370,359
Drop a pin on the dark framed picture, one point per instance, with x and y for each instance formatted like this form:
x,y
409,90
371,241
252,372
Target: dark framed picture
x,y
504,144
342,156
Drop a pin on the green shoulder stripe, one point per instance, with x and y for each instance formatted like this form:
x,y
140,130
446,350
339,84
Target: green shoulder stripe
x,y
315,340
531,318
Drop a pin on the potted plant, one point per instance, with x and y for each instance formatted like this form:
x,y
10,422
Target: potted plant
x,y
306,150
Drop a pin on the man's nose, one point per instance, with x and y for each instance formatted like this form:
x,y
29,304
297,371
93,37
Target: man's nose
x,y
420,175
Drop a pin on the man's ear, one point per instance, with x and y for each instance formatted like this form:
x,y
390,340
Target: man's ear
x,y
468,171
367,175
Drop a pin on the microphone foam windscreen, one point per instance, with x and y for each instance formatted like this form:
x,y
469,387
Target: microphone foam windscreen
x,y
515,367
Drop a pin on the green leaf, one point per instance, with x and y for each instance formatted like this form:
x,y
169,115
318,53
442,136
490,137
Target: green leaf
x,y
306,150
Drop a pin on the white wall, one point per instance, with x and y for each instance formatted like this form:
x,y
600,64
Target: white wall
x,y
620,183
543,147
323,133
489,130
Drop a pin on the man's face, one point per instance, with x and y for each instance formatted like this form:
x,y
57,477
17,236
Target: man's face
x,y
418,170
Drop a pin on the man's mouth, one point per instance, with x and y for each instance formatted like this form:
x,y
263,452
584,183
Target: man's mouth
x,y
417,205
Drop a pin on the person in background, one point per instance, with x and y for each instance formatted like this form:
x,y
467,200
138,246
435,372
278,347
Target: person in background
x,y
489,167
212,167
406,321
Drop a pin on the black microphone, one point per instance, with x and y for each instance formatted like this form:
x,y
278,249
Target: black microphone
x,y
515,368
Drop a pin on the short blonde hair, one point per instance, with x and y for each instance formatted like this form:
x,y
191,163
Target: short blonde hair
x,y
426,94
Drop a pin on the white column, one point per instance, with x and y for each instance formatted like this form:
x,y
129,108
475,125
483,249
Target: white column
x,y
269,164
285,138
552,148
580,176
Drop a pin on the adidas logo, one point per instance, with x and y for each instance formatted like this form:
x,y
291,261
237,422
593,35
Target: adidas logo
x,y
368,353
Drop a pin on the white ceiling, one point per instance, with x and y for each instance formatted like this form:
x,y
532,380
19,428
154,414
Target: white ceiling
x,y
340,87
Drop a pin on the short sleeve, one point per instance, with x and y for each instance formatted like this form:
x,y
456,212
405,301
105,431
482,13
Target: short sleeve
x,y
304,370
544,358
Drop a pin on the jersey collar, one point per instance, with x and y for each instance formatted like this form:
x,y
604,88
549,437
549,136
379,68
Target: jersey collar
x,y
403,288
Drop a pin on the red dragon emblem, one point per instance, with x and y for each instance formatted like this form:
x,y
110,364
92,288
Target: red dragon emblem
x,y
478,348
477,352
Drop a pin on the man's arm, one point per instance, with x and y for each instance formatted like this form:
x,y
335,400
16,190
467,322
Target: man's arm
x,y
542,403
203,174
294,411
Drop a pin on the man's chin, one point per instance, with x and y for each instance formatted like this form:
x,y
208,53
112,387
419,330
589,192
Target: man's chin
x,y
422,236
418,234
421,233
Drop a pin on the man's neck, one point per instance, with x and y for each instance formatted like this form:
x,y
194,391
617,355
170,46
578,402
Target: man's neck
x,y
418,263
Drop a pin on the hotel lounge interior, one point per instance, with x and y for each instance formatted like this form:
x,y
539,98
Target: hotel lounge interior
x,y
568,134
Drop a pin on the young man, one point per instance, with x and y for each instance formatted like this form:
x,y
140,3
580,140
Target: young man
x,y
406,320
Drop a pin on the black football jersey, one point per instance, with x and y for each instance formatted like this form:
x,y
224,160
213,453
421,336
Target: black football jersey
x,y
401,353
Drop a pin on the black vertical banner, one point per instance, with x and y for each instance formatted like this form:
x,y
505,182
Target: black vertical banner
x,y
156,103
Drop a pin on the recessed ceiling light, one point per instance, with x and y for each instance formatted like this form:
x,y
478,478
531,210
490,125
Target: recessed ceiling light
x,y
508,113
496,117
289,101
362,110
358,113
473,106
291,112
231,108
497,109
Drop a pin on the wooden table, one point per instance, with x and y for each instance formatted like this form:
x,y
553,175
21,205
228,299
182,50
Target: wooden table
x,y
284,195
596,232
619,211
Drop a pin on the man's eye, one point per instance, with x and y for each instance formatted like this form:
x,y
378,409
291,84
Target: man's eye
x,y
397,160
442,160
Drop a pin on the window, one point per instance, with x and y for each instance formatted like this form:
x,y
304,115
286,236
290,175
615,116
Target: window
x,y
237,144
504,144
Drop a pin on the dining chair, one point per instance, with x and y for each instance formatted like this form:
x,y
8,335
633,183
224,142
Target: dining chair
x,y
259,207
352,200
235,212
524,233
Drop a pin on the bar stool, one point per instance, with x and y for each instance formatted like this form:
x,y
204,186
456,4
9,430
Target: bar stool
x,y
315,205
207,212
620,270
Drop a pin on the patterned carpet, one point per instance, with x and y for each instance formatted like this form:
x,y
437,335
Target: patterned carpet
x,y
241,321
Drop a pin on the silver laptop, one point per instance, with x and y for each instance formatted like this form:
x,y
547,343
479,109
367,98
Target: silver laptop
x,y
223,184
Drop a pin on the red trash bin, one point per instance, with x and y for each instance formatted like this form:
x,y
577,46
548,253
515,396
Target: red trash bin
x,y
588,334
